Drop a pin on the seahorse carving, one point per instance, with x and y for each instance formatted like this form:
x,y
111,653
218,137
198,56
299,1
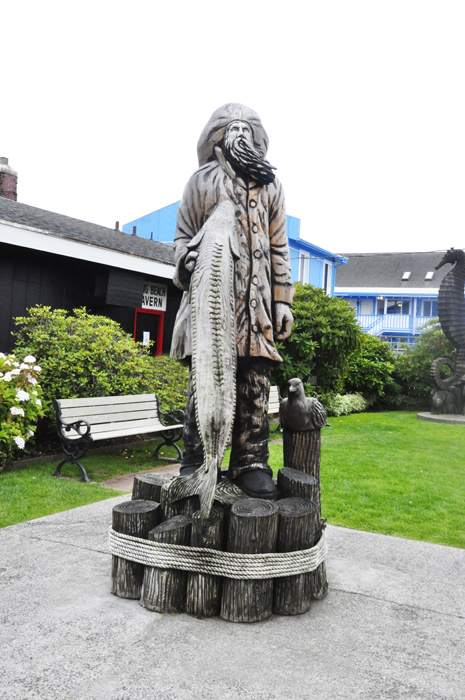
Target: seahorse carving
x,y
451,310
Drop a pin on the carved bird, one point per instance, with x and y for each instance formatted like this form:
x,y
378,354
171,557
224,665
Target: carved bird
x,y
298,412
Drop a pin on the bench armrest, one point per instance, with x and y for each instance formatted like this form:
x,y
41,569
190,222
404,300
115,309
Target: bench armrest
x,y
80,427
167,419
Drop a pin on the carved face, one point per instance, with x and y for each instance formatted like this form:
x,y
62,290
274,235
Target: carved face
x,y
236,129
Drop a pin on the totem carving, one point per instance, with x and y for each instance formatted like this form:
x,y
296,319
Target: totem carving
x,y
449,398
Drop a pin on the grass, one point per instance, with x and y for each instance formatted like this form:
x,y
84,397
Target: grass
x,y
392,474
30,491
380,472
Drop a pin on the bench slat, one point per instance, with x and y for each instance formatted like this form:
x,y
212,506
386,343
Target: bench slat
x,y
111,411
106,400
109,433
115,418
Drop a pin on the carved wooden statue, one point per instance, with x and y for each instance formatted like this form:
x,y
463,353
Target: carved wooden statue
x,y
449,398
232,212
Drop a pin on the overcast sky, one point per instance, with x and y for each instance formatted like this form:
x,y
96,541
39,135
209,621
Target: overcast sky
x,y
364,103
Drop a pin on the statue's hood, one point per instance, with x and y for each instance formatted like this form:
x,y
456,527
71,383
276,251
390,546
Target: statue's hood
x,y
213,132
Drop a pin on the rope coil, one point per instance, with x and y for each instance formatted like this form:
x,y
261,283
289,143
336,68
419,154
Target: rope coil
x,y
215,562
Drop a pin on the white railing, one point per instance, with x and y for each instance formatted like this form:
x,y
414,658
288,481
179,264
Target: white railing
x,y
387,323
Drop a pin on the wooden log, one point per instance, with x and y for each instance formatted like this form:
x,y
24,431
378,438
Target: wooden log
x,y
298,528
185,506
204,590
301,451
293,483
253,528
148,486
164,590
134,518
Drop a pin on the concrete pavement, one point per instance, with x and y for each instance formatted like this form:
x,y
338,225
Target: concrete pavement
x,y
391,627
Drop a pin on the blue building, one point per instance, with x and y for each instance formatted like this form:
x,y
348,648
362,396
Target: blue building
x,y
309,263
393,294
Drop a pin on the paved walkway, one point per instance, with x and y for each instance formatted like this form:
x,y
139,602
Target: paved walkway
x,y
392,626
125,482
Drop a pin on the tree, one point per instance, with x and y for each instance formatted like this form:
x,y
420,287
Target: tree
x,y
324,335
82,355
369,369
413,367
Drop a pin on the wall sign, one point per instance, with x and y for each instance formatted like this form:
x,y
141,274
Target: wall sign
x,y
154,296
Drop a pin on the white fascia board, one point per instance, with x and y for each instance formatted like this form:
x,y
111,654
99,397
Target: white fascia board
x,y
37,239
386,291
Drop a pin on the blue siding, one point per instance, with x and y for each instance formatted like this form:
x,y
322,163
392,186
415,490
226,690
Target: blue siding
x,y
159,225
316,272
294,254
292,227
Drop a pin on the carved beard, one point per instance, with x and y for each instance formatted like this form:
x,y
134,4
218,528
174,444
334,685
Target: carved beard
x,y
244,158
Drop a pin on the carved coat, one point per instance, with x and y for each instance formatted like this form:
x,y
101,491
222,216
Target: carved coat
x,y
263,271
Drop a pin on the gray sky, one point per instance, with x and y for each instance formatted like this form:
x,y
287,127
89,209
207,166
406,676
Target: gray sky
x,y
364,103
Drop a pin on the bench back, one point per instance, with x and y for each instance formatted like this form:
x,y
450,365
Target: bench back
x,y
273,401
113,416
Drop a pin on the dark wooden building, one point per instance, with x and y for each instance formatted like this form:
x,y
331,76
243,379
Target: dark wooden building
x,y
58,261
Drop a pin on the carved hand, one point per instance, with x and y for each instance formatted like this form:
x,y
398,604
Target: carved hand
x,y
283,321
189,262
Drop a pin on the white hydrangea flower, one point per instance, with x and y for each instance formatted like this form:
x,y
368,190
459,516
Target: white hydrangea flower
x,y
15,411
15,371
1,374
2,356
34,392
22,395
7,377
20,442
23,365
38,368
7,362
38,402
32,381
15,364
30,359
30,433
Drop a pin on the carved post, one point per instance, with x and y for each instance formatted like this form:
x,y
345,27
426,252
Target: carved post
x,y
134,518
164,590
148,486
204,590
298,528
253,528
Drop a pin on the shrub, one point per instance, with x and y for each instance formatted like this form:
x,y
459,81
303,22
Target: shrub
x,y
20,404
412,368
343,404
84,355
369,370
324,335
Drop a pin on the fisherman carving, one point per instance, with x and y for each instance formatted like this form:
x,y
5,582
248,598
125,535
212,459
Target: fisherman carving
x,y
235,183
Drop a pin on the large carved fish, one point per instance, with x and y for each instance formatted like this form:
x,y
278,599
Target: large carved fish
x,y
212,304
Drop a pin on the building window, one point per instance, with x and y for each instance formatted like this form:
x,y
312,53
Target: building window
x,y
304,267
327,278
430,307
398,306
380,305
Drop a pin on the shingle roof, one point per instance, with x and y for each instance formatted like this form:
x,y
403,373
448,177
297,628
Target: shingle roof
x,y
386,270
84,232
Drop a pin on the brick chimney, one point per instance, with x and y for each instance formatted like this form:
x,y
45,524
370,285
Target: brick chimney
x,y
8,180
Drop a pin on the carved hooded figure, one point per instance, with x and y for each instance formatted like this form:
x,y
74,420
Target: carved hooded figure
x,y
231,151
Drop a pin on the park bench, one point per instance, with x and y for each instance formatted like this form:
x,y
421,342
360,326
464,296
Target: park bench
x,y
273,405
81,422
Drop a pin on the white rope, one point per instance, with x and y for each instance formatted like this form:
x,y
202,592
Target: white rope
x,y
213,561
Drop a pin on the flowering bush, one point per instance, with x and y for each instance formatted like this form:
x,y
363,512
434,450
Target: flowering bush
x,y
20,404
343,404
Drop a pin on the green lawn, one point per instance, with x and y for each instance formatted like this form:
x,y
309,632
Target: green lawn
x,y
381,472
393,474
31,491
